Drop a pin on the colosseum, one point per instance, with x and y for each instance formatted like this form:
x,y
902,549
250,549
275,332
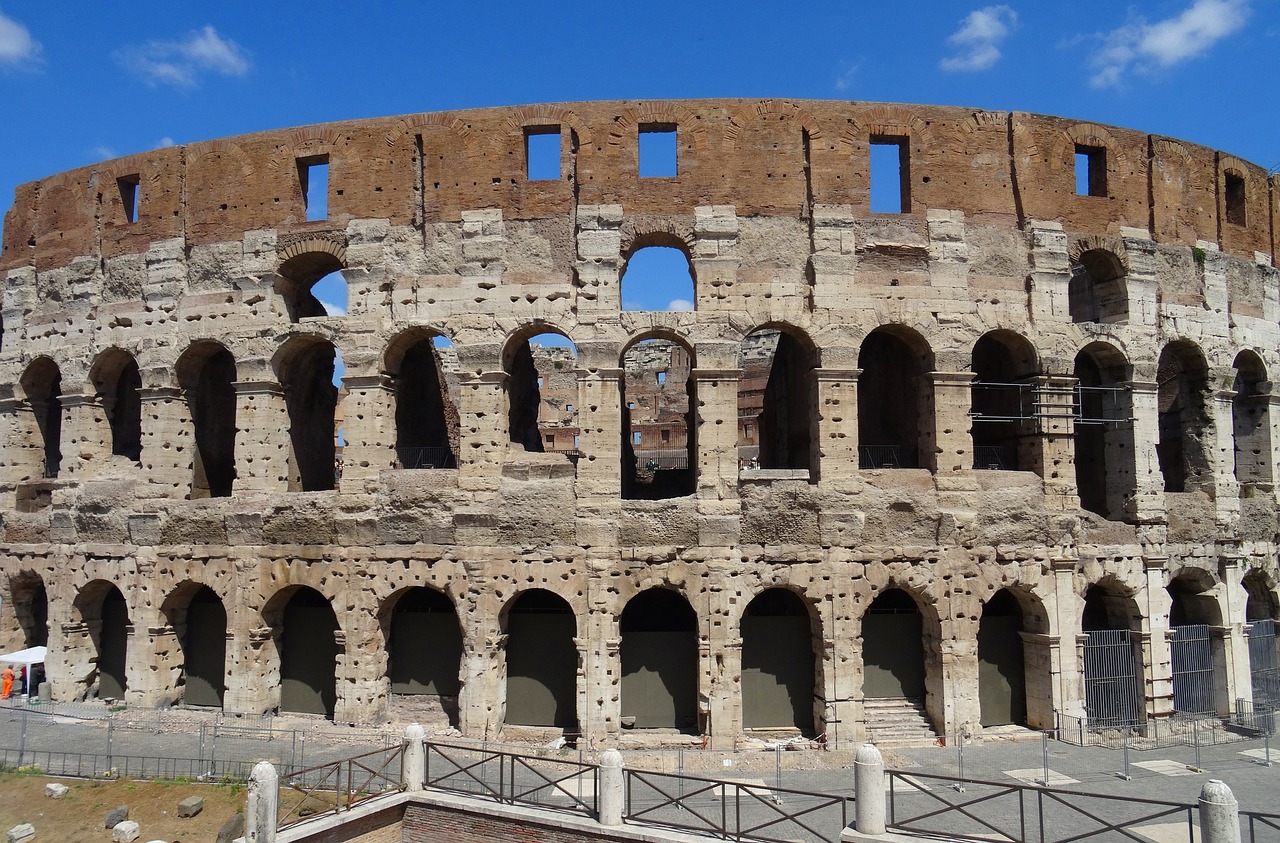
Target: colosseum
x,y
1003,454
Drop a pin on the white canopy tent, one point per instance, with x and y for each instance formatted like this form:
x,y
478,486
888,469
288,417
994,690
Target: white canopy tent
x,y
29,658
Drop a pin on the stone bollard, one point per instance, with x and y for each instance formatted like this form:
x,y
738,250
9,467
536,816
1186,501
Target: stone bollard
x,y
263,805
413,770
1219,813
613,788
868,789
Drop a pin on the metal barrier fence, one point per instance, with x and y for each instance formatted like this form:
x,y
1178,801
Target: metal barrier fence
x,y
562,784
1246,723
339,785
733,810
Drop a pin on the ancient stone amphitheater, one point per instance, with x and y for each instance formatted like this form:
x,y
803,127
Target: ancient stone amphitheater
x,y
1006,456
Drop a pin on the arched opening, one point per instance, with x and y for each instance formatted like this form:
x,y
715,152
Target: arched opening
x,y
892,652
658,277
1182,380
659,423
1104,451
426,401
1113,684
1096,291
311,285
1004,399
118,384
207,375
306,372
1002,680
42,386
777,402
106,615
1262,611
1197,656
30,608
308,654
424,656
778,677
542,661
542,393
1250,423
895,400
200,624
659,655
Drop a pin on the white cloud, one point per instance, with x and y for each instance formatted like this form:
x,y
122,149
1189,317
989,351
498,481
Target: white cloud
x,y
102,153
180,63
1143,47
977,41
846,76
331,309
17,47
165,141
680,304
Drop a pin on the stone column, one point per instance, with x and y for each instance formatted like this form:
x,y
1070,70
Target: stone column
x,y
1069,670
369,431
168,442
952,439
262,437
720,666
1043,676
1157,660
482,414
1147,505
1054,459
1222,451
837,415
1235,641
86,436
599,479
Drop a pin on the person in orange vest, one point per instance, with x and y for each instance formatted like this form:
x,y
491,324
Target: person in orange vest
x,y
7,688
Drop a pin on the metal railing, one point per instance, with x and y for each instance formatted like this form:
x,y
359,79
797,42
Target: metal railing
x,y
983,810
425,457
733,810
885,456
339,785
1243,724
562,784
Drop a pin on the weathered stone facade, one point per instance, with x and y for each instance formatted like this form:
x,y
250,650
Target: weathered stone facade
x,y
935,443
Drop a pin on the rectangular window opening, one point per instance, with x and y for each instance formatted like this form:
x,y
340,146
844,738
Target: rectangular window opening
x,y
542,153
313,176
1235,197
890,175
635,438
666,435
658,151
568,408
1091,170
662,377
129,196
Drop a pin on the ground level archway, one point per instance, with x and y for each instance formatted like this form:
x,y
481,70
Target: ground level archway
x,y
777,662
542,661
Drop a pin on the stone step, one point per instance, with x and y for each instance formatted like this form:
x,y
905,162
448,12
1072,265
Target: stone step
x,y
897,720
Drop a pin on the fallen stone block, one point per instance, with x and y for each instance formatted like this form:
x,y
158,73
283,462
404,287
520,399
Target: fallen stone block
x,y
22,833
125,832
56,791
190,806
231,829
116,816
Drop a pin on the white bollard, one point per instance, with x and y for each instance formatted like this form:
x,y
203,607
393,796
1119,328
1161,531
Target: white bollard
x,y
868,789
413,770
613,788
1219,813
262,807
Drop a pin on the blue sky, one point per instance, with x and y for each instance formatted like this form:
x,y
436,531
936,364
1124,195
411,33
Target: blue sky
x,y
84,81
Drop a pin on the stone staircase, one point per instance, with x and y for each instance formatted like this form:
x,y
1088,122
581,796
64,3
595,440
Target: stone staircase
x,y
897,720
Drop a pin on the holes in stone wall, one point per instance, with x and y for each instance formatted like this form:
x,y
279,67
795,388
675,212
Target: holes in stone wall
x,y
1249,409
312,285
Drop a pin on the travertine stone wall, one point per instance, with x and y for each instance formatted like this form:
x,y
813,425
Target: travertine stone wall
x,y
439,232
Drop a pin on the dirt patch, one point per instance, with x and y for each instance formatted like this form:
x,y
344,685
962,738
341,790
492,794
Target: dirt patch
x,y
78,816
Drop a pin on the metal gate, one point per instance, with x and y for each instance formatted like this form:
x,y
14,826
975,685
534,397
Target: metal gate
x,y
1264,669
1191,653
1112,693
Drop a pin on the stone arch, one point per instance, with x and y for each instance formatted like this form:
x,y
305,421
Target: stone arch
x,y
1004,391
1197,651
543,115
426,399
103,615
895,399
782,674
1262,615
30,601
525,383
767,110
1251,428
1111,655
658,398
303,262
1105,459
307,640
206,374
778,399
1098,290
1186,426
895,673
541,660
304,366
1002,662
424,638
41,387
658,658
197,617
628,123
116,382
